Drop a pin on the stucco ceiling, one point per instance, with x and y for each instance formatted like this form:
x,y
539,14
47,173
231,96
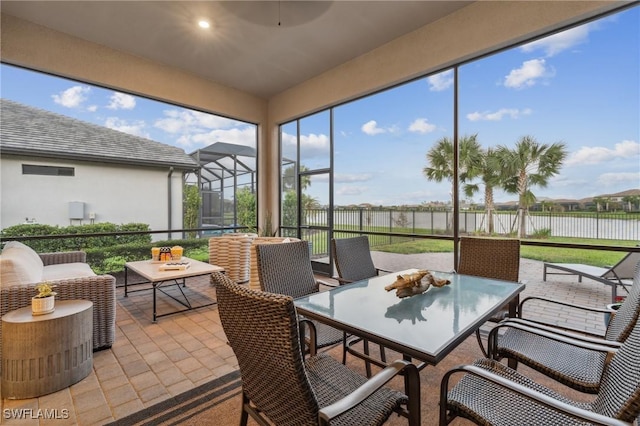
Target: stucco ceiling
x,y
260,47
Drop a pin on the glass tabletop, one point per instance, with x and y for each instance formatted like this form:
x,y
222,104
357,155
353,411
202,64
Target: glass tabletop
x,y
425,326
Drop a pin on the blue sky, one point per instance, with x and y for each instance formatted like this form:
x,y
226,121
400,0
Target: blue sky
x,y
580,87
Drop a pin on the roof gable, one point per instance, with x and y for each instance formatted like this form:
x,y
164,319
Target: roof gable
x,y
35,132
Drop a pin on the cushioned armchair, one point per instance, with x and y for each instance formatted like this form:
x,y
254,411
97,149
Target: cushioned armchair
x,y
21,269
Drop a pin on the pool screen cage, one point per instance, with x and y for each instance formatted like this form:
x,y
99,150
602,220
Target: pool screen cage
x,y
225,169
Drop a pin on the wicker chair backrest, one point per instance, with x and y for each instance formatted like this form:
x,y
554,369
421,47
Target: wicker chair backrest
x,y
627,315
263,331
490,258
619,394
286,268
352,257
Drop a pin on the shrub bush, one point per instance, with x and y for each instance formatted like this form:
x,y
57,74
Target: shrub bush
x,y
79,243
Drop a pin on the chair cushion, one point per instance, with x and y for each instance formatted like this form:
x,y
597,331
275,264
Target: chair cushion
x,y
66,271
19,264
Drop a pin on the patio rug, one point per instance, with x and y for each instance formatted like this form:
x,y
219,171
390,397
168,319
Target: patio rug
x,y
205,401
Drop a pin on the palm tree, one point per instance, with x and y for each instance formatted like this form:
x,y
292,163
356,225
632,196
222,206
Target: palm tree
x,y
491,175
529,164
290,179
440,160
631,200
600,201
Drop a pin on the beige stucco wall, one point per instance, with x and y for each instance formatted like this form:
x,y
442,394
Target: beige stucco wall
x,y
119,202
481,27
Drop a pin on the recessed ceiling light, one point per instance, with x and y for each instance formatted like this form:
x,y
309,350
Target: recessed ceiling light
x,y
203,24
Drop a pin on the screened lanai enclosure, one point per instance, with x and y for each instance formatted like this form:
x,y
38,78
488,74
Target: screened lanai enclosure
x,y
227,186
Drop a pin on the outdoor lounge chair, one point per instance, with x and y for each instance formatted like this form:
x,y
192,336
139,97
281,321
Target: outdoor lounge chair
x,y
280,384
352,257
566,356
619,274
494,258
286,269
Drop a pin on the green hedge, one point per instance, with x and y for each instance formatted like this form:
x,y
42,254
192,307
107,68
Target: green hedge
x,y
104,260
79,243
105,254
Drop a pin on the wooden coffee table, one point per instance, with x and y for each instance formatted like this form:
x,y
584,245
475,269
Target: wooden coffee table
x,y
160,279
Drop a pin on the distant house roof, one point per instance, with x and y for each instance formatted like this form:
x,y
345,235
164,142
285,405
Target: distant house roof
x,y
29,131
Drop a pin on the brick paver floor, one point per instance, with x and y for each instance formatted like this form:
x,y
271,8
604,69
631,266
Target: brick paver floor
x,y
151,362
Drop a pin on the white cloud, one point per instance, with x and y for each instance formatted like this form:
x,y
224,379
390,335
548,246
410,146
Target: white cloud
x,y
422,125
73,97
136,127
238,136
440,82
527,74
371,128
311,145
186,121
351,190
342,178
600,154
513,113
121,101
557,43
609,179
92,108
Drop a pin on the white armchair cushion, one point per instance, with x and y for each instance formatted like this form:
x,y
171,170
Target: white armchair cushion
x,y
64,271
19,264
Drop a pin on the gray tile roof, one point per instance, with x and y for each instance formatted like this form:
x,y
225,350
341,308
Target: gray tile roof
x,y
25,130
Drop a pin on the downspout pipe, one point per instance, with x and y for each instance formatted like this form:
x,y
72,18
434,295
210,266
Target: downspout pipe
x,y
169,200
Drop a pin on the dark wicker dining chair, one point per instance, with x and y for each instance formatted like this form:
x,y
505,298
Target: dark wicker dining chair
x,y
566,356
280,384
496,258
490,393
286,269
352,258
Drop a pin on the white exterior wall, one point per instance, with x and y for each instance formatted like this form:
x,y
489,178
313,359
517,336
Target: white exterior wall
x,y
115,193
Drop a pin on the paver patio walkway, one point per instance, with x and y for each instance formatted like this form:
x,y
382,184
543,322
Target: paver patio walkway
x,y
151,362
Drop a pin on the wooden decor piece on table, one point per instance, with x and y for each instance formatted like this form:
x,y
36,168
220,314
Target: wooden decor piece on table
x,y
42,354
415,283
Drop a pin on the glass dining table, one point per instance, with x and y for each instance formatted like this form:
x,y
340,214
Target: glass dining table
x,y
426,326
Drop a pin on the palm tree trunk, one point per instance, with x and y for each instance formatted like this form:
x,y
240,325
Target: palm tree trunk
x,y
488,201
522,207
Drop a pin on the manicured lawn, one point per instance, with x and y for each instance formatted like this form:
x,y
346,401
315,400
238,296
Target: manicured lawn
x,y
545,254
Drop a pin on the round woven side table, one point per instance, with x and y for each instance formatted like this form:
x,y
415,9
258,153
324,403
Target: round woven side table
x,y
42,354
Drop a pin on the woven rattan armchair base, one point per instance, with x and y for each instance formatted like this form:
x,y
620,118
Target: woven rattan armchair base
x,y
99,289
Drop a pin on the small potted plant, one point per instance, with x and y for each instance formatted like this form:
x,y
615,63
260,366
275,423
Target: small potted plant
x,y
43,302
